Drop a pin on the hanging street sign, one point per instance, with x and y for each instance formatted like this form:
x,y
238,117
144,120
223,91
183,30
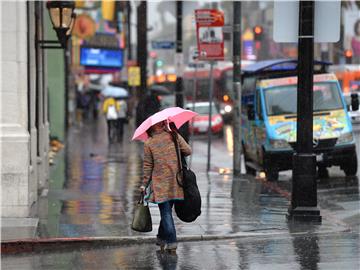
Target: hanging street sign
x,y
326,21
165,45
209,33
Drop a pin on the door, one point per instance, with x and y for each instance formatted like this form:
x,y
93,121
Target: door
x,y
259,127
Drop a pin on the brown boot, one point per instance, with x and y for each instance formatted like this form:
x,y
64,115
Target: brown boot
x,y
171,251
161,244
171,248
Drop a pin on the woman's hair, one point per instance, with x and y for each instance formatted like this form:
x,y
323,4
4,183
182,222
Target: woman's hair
x,y
151,129
356,28
173,127
173,130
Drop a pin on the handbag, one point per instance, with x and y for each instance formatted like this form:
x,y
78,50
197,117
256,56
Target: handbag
x,y
111,113
142,218
189,209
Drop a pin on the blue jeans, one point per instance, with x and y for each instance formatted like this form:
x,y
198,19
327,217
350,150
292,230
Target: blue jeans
x,y
167,232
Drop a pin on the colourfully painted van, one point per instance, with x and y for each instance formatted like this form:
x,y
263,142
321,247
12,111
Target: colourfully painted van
x,y
269,107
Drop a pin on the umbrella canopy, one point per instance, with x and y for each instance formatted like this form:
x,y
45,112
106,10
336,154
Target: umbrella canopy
x,y
116,92
159,90
174,114
95,87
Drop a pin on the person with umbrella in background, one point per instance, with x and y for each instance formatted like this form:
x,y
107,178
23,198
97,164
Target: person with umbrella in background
x,y
160,167
147,107
122,116
110,110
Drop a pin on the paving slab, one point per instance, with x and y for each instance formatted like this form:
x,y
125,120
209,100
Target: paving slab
x,y
18,228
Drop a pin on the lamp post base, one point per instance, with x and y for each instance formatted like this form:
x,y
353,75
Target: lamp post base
x,y
304,214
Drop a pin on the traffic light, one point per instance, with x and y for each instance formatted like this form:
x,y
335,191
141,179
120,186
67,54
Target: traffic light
x,y
159,63
258,32
152,54
348,56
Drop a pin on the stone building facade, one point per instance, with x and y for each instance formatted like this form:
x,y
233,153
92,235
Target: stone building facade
x,y
24,126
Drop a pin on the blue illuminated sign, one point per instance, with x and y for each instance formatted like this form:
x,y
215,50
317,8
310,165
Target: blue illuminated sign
x,y
101,57
163,44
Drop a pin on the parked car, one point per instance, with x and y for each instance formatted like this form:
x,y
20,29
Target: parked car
x,y
200,123
353,114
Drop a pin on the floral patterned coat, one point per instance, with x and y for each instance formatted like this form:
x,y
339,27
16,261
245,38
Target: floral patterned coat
x,y
161,165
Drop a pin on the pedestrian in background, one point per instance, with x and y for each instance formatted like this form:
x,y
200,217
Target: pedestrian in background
x,y
122,116
79,108
85,101
147,107
160,168
110,111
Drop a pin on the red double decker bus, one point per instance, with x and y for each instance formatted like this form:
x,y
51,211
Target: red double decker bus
x,y
223,85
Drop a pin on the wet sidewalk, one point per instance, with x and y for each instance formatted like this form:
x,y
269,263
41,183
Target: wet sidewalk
x,y
94,187
320,252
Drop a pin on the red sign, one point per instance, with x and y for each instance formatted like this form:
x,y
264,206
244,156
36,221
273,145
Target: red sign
x,y
209,33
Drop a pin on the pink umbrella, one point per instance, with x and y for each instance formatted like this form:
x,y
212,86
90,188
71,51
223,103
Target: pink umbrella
x,y
174,114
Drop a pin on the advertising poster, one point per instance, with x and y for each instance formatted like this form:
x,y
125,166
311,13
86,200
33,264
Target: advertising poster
x,y
209,33
134,76
248,51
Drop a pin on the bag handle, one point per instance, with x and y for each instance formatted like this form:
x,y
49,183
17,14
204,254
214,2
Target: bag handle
x,y
174,136
141,200
142,195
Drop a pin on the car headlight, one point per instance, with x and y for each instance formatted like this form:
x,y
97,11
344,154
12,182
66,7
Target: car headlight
x,y
279,143
345,138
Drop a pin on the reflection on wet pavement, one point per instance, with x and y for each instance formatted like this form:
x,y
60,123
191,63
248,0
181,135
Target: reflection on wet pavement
x,y
307,252
94,187
100,187
100,181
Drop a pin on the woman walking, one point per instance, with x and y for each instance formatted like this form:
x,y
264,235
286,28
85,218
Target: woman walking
x,y
110,109
161,168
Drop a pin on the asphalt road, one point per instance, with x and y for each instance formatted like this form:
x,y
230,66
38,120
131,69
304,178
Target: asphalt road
x,y
221,153
337,194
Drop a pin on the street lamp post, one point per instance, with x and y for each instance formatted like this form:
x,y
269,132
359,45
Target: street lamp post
x,y
128,38
304,191
142,61
237,88
179,97
179,51
142,46
62,18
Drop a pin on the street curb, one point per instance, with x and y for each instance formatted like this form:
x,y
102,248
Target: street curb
x,y
58,244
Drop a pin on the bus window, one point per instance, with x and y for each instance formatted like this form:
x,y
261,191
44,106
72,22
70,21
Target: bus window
x,y
189,89
202,91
